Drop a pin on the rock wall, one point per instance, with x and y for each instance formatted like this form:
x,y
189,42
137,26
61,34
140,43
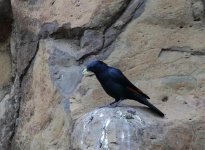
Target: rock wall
x,y
46,103
8,103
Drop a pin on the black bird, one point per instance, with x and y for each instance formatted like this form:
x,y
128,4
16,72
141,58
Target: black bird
x,y
117,85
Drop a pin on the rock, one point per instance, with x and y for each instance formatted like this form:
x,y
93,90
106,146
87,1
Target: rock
x,y
25,46
88,13
5,20
5,65
111,130
183,135
38,19
157,45
8,101
139,53
199,141
201,82
113,31
198,10
5,10
181,84
129,128
106,12
5,25
65,72
40,106
8,115
91,42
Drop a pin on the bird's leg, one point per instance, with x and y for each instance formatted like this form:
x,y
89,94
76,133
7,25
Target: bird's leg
x,y
112,105
108,105
115,103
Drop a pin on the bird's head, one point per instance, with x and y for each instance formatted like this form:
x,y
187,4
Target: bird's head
x,y
95,67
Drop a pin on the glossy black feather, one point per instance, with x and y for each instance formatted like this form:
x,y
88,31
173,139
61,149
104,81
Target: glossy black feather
x,y
117,85
119,77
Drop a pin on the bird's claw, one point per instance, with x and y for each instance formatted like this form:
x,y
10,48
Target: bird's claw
x,y
113,105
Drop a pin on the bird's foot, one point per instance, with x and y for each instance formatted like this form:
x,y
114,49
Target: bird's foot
x,y
109,106
112,105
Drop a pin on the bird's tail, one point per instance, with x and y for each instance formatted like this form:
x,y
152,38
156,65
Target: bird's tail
x,y
144,101
153,108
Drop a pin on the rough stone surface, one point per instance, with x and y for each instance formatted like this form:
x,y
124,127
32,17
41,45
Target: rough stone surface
x,y
162,52
8,105
42,19
158,44
5,20
129,128
43,122
77,13
5,25
109,129
5,64
8,115
90,43
60,57
115,29
198,10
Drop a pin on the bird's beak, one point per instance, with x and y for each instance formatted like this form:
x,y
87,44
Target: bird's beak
x,y
87,73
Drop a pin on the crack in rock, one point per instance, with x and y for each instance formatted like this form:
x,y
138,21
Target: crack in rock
x,y
184,49
111,32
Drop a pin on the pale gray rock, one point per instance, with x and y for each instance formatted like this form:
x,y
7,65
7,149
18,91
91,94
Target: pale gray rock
x,y
128,128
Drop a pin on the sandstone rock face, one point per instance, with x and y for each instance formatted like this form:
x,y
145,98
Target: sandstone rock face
x,y
39,125
162,52
163,67
46,103
53,66
42,19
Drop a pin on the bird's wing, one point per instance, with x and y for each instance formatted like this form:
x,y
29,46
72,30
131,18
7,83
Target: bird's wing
x,y
119,77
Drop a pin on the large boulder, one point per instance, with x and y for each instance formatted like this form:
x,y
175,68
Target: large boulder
x,y
137,128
